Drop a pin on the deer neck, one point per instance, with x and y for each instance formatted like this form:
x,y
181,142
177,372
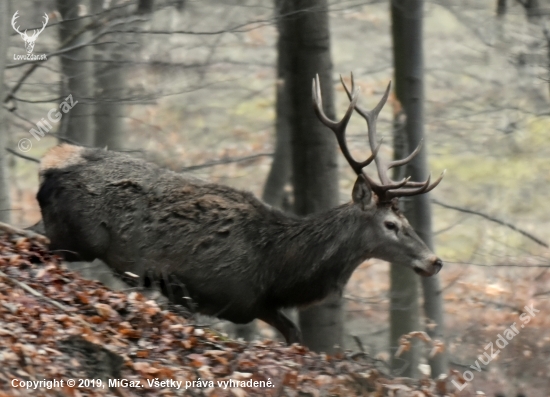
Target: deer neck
x,y
318,254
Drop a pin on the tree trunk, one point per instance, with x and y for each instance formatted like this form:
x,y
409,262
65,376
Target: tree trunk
x,y
280,172
78,123
5,204
501,8
314,162
404,284
407,21
109,88
533,10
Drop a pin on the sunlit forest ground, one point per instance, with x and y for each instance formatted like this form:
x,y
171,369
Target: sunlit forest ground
x,y
210,97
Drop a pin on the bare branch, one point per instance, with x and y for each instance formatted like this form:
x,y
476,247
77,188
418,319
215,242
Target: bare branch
x,y
26,233
23,156
225,161
493,219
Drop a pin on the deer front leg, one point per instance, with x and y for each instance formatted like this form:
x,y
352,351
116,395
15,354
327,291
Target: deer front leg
x,y
278,320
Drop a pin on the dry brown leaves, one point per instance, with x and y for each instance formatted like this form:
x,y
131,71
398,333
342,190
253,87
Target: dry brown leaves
x,y
65,327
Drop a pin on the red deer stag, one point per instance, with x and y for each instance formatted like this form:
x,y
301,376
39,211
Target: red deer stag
x,y
220,248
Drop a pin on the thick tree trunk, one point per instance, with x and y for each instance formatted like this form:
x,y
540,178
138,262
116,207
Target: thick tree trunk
x,y
109,89
407,18
533,10
5,203
314,163
77,67
279,174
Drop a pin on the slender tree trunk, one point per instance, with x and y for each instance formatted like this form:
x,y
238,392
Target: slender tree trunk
x,y
407,18
547,36
404,284
280,172
501,8
5,203
77,67
314,162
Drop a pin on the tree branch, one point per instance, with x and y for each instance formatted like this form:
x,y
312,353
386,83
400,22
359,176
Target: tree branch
x,y
493,219
23,156
27,233
225,161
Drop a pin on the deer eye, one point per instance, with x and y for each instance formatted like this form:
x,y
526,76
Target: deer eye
x,y
390,225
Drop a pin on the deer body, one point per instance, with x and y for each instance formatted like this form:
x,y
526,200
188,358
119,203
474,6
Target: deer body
x,y
228,253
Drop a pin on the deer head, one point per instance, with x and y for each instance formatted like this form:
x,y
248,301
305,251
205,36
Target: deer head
x,y
29,40
386,229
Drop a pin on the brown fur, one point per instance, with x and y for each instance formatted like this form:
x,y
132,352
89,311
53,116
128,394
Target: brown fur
x,y
232,255
61,156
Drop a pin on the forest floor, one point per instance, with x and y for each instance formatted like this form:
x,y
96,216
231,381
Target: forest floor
x,y
64,335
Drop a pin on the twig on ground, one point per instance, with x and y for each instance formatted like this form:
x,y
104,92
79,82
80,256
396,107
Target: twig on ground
x,y
34,292
27,233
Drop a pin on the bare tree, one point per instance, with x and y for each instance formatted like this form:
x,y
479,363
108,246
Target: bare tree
x,y
4,179
109,87
280,172
533,9
306,35
407,18
77,72
501,8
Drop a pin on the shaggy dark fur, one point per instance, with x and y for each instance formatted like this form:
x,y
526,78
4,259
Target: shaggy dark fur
x,y
235,257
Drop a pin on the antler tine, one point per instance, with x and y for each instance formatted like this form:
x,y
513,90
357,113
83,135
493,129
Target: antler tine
x,y
425,187
409,191
14,20
388,188
46,19
371,117
339,127
398,163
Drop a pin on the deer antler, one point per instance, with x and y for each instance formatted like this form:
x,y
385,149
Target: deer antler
x,y
16,28
339,127
35,32
390,189
46,19
387,189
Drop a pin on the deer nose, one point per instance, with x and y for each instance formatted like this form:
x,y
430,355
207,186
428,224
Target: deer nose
x,y
437,265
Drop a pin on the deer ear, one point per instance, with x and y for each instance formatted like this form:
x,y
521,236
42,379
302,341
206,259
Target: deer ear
x,y
362,193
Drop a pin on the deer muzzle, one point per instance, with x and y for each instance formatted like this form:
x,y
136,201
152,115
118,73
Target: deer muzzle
x,y
433,268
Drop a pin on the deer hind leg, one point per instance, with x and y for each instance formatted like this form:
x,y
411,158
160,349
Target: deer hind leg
x,y
278,320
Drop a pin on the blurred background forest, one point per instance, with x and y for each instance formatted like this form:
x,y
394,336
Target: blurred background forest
x,y
192,86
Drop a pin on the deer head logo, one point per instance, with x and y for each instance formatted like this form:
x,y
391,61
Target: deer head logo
x,y
29,40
